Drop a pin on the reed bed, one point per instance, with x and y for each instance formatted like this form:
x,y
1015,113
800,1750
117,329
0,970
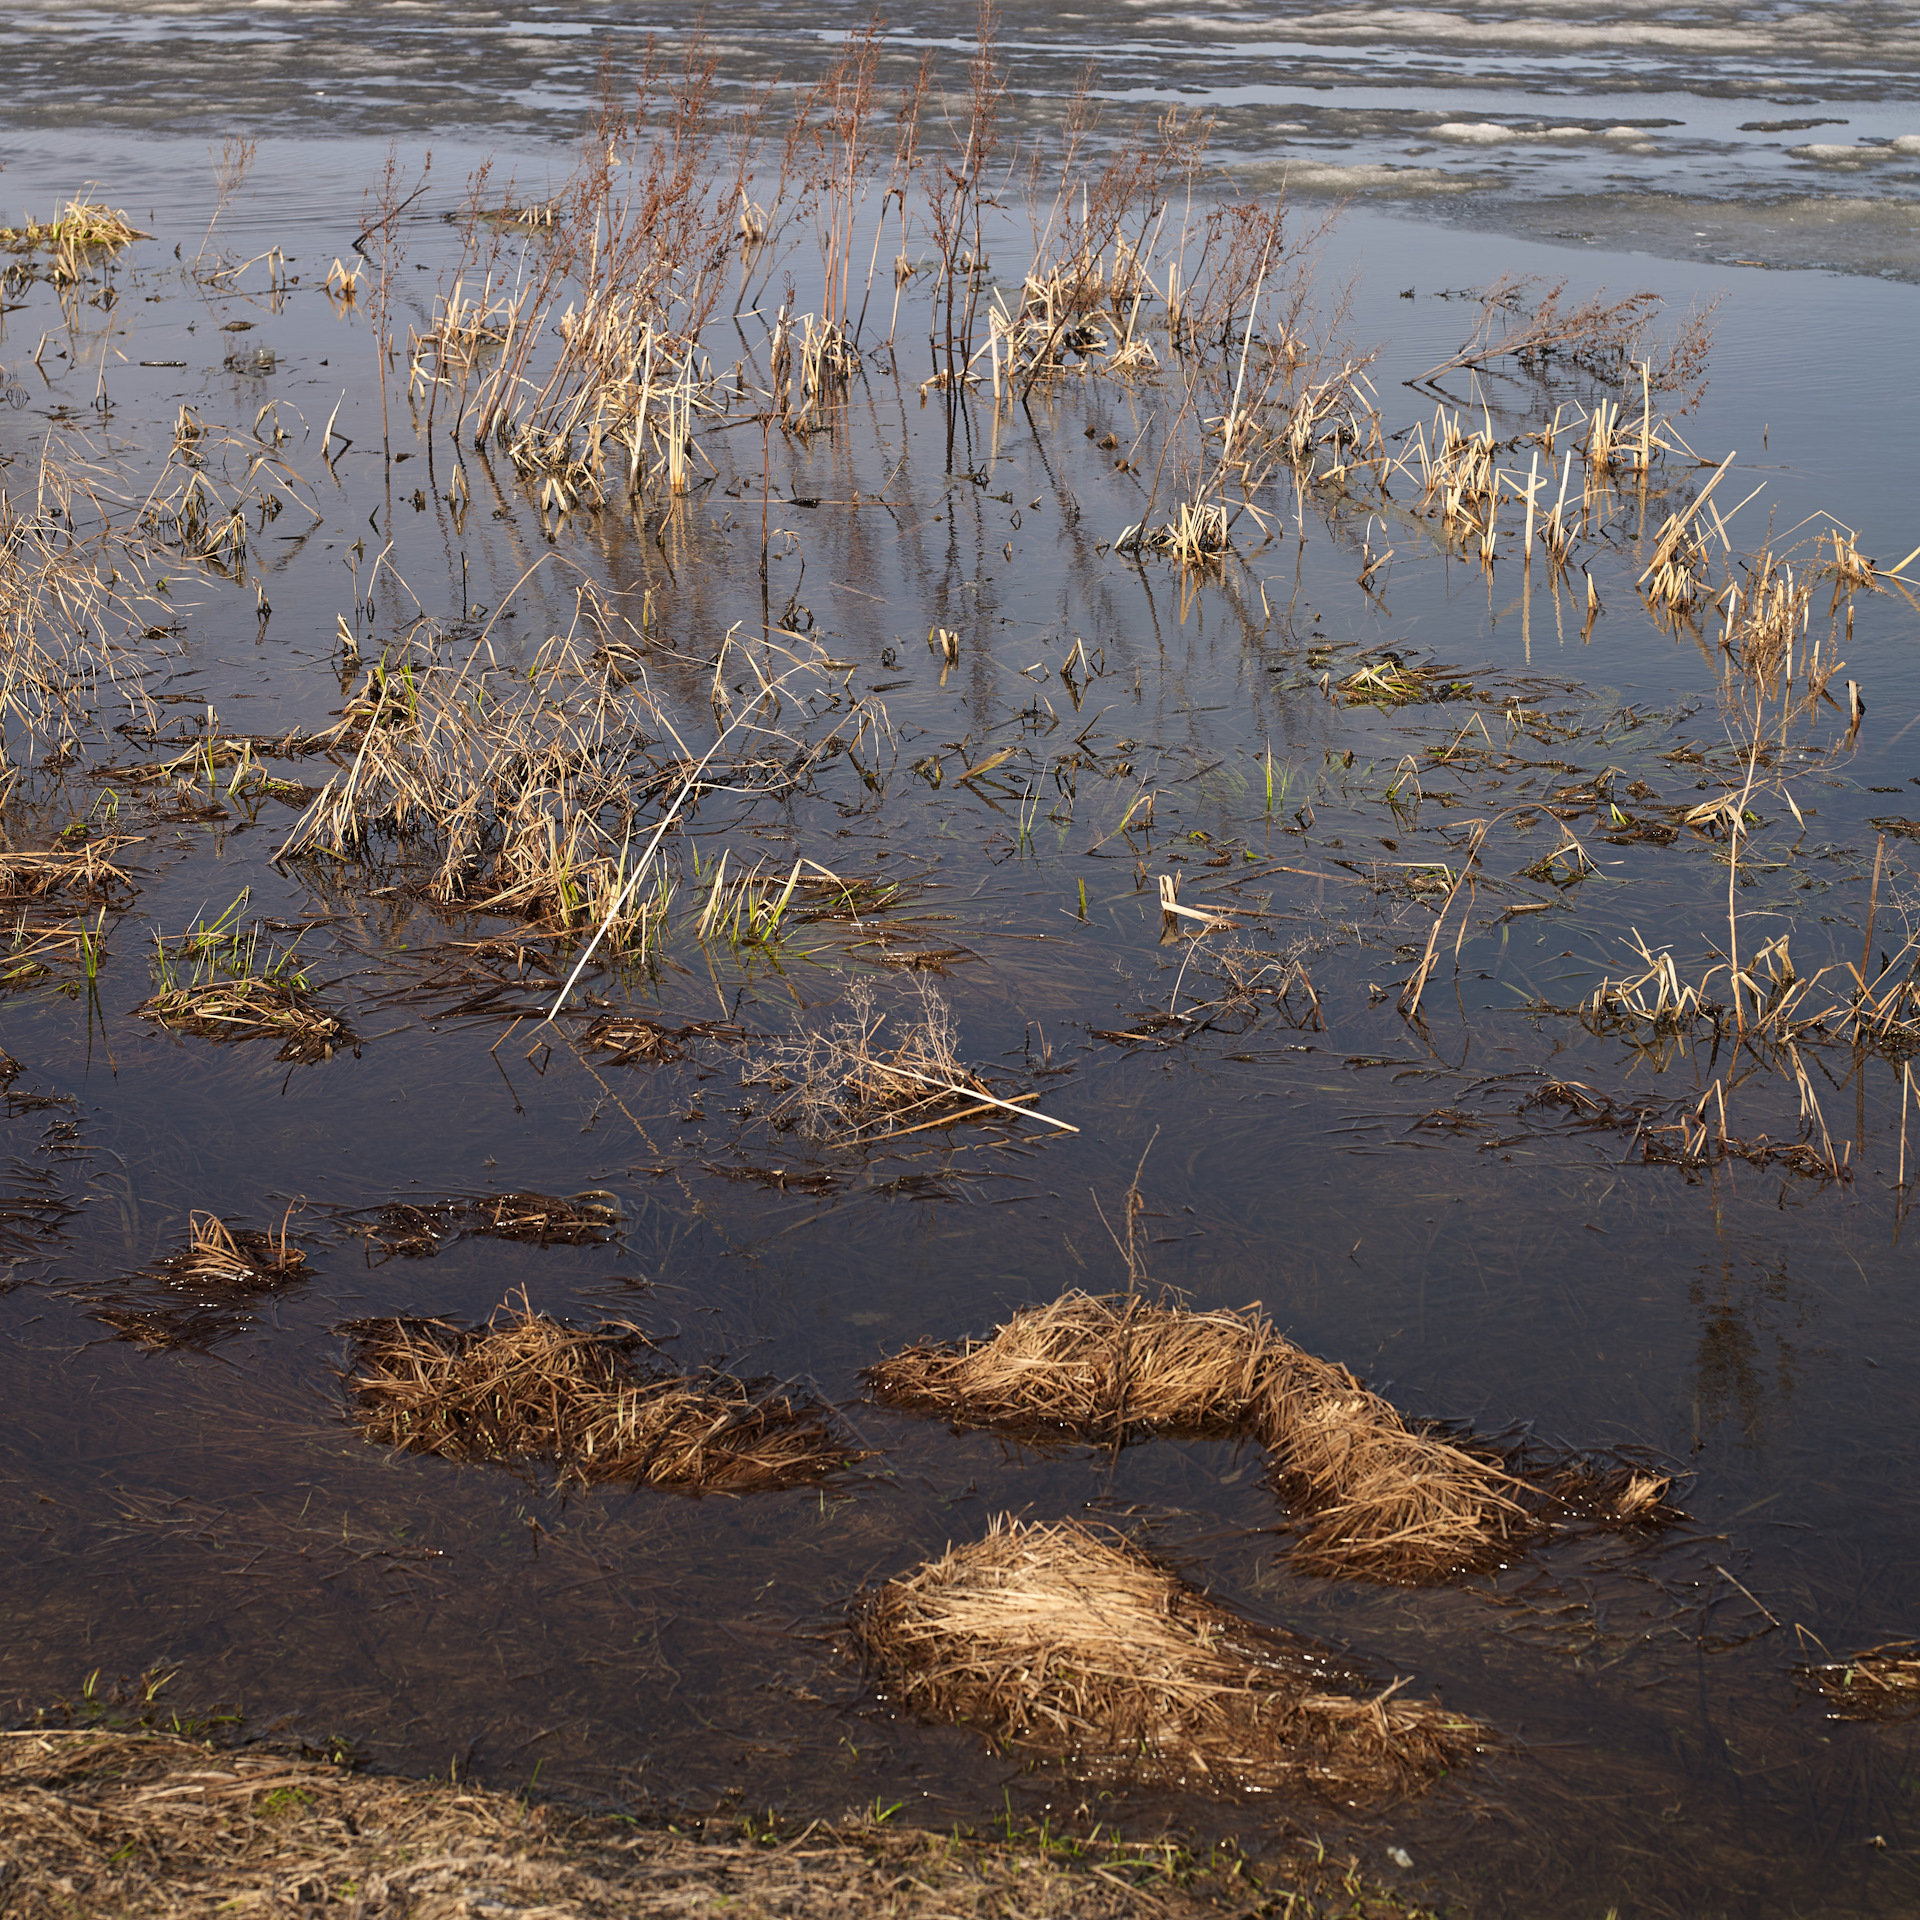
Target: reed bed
x,y
1883,1683
74,612
525,1388
1375,1497
525,792
1050,1639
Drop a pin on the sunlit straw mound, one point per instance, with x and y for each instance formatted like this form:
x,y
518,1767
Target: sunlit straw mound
x,y
525,1388
1378,1499
1097,1369
1881,1684
1049,1638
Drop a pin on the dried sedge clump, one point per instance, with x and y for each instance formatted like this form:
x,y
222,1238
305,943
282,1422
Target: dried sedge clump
x,y
415,1230
252,1008
1378,1499
86,870
1051,1639
1881,1684
873,1069
526,1388
221,1259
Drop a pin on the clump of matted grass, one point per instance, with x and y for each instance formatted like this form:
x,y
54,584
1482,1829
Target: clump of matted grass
x,y
1883,1683
589,1401
415,1230
222,1259
1050,1638
80,223
205,1285
223,982
148,1826
1377,1498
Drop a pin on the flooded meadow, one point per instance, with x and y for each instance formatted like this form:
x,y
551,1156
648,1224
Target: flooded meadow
x,y
847,915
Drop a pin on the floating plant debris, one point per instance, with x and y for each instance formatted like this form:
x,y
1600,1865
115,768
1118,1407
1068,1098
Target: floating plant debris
x,y
1052,1639
416,1230
1883,1683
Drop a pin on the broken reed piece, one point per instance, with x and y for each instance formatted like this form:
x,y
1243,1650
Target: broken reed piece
x,y
1375,1498
1053,1639
526,1388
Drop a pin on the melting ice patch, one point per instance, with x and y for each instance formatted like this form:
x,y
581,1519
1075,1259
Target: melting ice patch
x,y
1830,154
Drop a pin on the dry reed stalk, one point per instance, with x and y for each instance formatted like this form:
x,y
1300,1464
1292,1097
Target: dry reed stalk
x,y
524,1388
1377,1498
1051,1639
1883,1683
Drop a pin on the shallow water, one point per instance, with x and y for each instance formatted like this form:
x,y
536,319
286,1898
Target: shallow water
x,y
1388,1190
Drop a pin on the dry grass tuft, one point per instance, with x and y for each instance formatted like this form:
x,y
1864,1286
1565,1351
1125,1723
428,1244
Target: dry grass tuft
x,y
1378,1499
79,224
255,1007
525,1388
1881,1684
877,1070
222,1259
1049,1638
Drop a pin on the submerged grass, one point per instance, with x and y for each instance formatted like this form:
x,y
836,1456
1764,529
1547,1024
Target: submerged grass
x,y
1053,1640
417,1230
525,1387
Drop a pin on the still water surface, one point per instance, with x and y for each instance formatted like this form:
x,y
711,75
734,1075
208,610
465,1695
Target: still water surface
x,y
1390,1193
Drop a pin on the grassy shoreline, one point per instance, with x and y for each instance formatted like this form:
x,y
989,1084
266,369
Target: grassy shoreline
x,y
140,1825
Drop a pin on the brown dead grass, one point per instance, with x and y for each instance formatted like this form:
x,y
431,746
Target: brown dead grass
x,y
416,1230
142,1826
1377,1498
526,1388
252,1008
1050,1638
222,1259
88,869
1882,1683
